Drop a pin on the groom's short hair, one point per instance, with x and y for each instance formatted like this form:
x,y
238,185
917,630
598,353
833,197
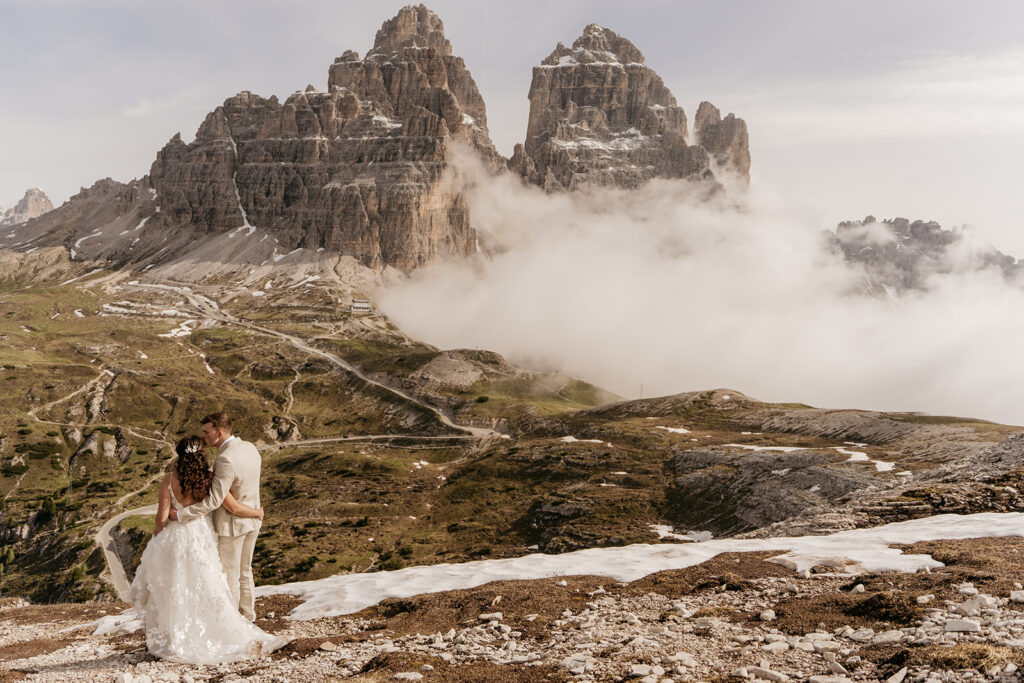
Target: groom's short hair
x,y
218,420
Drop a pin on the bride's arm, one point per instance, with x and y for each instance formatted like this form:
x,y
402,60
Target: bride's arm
x,y
163,506
232,505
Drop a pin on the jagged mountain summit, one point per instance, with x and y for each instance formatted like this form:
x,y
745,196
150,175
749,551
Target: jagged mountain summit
x,y
358,174
899,255
32,205
358,169
600,115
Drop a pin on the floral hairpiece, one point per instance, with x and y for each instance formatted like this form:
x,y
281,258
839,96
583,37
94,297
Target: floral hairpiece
x,y
192,448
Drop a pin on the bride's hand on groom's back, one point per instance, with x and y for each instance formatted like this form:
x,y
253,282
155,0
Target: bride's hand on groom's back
x,y
260,515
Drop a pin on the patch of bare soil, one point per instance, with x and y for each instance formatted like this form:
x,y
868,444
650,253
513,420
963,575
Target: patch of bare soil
x,y
129,641
68,613
733,571
33,648
890,598
993,565
384,667
962,656
303,647
880,611
277,605
439,612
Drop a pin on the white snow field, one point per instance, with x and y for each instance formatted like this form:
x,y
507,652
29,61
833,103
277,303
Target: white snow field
x,y
849,551
856,550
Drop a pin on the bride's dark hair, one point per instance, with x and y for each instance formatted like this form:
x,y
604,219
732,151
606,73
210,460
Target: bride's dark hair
x,y
194,474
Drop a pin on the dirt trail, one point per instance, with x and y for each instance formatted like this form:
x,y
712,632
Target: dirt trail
x,y
105,541
364,437
92,384
288,390
209,309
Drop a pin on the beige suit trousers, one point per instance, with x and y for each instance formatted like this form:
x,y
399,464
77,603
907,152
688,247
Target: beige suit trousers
x,y
236,559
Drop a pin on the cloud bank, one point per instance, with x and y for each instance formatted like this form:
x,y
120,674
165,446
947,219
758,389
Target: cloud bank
x,y
656,292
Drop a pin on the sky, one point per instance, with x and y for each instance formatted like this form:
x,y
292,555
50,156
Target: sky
x,y
913,108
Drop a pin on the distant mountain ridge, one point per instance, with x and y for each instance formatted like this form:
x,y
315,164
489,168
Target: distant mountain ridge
x,y
899,255
33,204
362,168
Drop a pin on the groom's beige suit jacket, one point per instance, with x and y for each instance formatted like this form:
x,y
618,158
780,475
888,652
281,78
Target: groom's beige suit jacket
x,y
236,469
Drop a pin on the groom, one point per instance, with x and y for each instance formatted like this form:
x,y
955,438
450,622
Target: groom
x,y
236,469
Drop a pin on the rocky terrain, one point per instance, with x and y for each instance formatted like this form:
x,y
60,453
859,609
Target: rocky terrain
x,y
899,255
736,617
34,204
384,453
600,116
358,168
227,278
362,168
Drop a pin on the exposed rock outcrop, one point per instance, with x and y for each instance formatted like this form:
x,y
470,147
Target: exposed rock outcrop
x,y
729,492
32,205
358,169
49,263
600,116
726,140
899,255
362,168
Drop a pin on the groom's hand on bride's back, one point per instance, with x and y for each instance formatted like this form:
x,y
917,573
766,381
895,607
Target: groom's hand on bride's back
x,y
173,514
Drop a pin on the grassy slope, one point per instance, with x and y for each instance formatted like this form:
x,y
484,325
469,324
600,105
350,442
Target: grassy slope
x,y
335,506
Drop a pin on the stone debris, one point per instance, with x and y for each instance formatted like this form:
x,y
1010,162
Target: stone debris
x,y
649,638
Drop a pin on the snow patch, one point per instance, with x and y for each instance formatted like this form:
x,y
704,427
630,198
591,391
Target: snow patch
x,y
675,430
182,330
78,244
780,449
868,550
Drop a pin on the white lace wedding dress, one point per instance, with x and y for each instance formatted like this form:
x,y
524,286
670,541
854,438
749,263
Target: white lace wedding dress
x,y
181,597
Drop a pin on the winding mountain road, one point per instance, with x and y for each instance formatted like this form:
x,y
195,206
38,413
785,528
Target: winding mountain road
x,y
364,437
105,541
209,309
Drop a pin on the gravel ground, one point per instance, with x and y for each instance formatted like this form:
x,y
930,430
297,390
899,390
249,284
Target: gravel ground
x,y
704,623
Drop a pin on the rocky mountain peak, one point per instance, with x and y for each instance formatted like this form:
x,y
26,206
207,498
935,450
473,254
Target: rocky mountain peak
x,y
899,255
415,26
33,203
597,45
356,168
725,139
600,116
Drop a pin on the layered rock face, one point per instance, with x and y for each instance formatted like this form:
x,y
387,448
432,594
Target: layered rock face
x,y
600,116
899,255
34,204
359,168
725,140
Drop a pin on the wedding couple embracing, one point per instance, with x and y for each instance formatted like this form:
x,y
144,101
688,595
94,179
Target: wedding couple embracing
x,y
193,590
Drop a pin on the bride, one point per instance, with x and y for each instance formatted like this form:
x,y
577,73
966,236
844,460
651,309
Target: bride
x,y
180,592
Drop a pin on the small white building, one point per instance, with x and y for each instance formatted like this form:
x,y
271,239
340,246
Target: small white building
x,y
361,306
